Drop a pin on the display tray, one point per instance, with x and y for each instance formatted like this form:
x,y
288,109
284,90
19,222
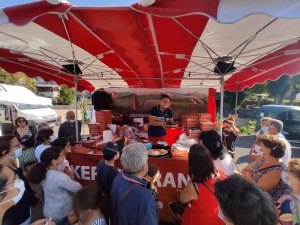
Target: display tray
x,y
167,155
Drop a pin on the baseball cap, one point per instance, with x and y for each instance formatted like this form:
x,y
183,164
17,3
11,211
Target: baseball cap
x,y
110,150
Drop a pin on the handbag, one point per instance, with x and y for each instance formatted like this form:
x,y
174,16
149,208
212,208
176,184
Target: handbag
x,y
176,210
27,157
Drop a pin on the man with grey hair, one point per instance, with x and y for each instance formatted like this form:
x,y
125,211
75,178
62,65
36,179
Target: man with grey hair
x,y
68,129
131,201
275,128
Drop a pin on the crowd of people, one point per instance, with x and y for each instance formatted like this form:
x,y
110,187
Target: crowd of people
x,y
266,192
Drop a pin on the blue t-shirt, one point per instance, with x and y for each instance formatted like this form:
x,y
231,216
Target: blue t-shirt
x,y
105,176
159,131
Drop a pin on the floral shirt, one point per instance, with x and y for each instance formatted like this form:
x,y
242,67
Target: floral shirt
x,y
287,210
277,191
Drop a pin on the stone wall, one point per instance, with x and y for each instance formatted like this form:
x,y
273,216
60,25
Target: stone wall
x,y
68,107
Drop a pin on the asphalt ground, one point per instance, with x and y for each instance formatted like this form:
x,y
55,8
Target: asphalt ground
x,y
242,159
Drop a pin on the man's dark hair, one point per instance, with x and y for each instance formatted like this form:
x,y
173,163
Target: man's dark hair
x,y
152,171
245,203
44,134
212,140
162,96
201,166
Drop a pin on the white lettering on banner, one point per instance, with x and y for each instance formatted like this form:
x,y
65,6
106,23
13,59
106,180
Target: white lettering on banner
x,y
87,172
84,172
182,179
90,173
169,179
158,183
160,205
75,169
94,172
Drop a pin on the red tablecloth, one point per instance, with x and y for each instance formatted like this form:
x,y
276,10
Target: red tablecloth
x,y
173,176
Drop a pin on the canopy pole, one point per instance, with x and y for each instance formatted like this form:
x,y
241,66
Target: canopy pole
x,y
76,114
221,103
75,78
236,98
82,113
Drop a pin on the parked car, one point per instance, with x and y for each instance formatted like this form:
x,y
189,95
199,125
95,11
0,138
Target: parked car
x,y
16,101
289,115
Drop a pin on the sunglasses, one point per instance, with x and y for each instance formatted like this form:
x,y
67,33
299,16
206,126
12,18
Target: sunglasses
x,y
227,127
16,177
19,121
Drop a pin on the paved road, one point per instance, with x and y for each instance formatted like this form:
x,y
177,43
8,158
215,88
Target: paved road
x,y
243,145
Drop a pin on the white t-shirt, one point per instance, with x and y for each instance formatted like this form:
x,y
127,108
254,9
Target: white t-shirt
x,y
38,151
225,165
288,151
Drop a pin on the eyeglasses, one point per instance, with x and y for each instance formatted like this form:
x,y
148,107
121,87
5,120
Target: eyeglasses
x,y
21,120
14,146
16,177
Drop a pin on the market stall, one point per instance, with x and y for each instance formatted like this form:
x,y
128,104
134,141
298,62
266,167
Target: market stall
x,y
125,116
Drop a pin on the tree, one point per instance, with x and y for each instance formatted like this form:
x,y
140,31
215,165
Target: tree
x,y
65,95
278,88
230,97
19,79
295,88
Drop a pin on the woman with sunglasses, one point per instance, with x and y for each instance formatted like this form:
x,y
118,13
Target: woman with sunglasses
x,y
26,136
230,134
12,191
266,170
58,187
10,149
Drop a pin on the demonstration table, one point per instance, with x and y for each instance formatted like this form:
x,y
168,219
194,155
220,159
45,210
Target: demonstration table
x,y
173,175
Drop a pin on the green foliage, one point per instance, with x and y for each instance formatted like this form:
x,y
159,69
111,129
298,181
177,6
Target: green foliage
x,y
83,110
250,129
278,88
19,79
65,95
230,97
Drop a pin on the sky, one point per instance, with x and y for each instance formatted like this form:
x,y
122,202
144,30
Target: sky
x,y
6,3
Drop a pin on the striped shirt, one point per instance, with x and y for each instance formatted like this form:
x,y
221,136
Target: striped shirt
x,y
100,221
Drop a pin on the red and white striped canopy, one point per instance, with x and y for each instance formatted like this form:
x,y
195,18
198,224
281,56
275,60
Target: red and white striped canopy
x,y
154,43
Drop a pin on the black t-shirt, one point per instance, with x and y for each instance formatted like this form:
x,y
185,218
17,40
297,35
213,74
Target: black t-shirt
x,y
159,131
228,139
105,176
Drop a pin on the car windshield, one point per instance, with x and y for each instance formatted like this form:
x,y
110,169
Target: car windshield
x,y
29,106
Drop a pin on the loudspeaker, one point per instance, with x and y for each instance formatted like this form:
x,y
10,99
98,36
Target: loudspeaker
x,y
101,100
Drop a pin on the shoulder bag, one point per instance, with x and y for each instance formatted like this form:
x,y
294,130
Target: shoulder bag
x,y
115,219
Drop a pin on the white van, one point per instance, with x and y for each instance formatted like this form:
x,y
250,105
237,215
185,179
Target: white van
x,y
17,101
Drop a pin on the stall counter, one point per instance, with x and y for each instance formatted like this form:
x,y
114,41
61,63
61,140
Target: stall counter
x,y
173,175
